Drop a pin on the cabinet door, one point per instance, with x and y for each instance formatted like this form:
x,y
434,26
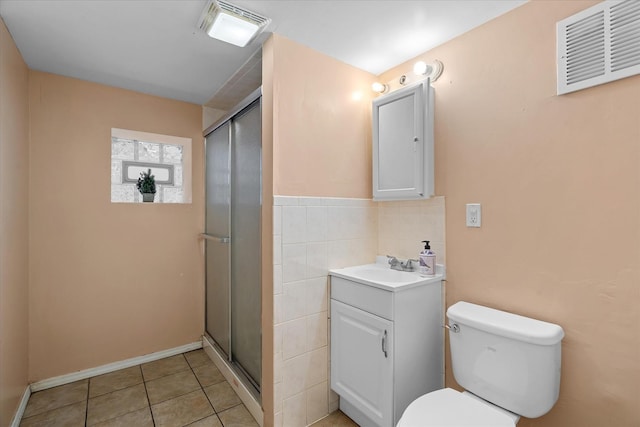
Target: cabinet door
x,y
362,361
399,144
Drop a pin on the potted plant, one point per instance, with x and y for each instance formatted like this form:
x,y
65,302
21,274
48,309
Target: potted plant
x,y
147,186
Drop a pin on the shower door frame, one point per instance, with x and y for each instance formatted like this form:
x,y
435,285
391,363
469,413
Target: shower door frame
x,y
254,98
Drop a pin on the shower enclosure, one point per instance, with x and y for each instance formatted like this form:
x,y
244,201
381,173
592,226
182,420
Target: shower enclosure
x,y
233,191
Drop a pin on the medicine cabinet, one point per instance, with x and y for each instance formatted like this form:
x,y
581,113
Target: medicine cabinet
x,y
403,144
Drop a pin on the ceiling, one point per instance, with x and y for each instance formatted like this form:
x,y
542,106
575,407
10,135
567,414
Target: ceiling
x,y
155,47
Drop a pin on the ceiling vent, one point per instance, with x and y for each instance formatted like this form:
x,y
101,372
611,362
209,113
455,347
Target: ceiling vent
x,y
230,23
598,45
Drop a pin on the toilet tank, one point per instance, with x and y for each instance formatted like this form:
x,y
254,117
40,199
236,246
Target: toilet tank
x,y
509,360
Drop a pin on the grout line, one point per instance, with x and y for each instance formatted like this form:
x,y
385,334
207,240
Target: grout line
x,y
153,420
86,411
205,393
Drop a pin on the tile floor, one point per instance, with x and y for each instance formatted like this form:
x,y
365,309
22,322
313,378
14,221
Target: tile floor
x,y
182,390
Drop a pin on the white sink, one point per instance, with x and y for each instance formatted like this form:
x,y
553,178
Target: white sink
x,y
380,275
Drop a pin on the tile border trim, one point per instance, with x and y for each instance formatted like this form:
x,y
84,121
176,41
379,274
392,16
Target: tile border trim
x,y
23,405
111,367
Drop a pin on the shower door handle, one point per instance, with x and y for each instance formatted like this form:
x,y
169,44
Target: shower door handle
x,y
221,239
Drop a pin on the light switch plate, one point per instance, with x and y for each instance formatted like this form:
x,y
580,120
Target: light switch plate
x,y
474,215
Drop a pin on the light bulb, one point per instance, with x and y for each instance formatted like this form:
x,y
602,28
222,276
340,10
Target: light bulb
x,y
421,68
379,87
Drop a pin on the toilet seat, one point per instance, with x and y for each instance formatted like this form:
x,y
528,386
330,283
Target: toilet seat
x,y
448,407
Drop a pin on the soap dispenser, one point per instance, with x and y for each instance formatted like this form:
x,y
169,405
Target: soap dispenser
x,y
427,260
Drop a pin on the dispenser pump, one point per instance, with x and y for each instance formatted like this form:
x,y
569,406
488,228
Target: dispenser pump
x,y
427,260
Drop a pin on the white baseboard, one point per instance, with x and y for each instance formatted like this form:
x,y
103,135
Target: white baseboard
x,y
23,405
105,369
243,393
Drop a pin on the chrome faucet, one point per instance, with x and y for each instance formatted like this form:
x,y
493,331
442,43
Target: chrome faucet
x,y
408,265
396,264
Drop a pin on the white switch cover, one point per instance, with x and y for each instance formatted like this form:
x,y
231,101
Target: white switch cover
x,y
474,215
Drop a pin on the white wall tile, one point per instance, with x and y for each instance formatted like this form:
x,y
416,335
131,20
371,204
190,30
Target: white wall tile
x,y
294,224
317,265
317,226
317,402
294,262
277,279
312,201
294,375
318,363
285,201
277,397
277,220
317,295
277,338
337,222
277,250
278,314
316,331
278,365
295,411
294,338
294,300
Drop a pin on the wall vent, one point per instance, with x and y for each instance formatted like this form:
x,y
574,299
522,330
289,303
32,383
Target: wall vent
x,y
598,45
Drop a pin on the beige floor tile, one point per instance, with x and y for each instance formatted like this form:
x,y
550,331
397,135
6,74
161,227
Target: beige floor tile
x,y
222,396
212,421
182,410
208,375
57,397
162,367
336,419
139,418
116,403
67,416
113,381
198,358
171,386
238,416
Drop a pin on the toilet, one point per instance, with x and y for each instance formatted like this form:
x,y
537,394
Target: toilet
x,y
509,366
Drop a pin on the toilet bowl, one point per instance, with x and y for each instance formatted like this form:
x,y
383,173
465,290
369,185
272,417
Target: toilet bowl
x,y
448,407
508,364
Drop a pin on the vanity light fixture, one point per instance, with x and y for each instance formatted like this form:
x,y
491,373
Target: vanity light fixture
x,y
231,24
433,70
379,87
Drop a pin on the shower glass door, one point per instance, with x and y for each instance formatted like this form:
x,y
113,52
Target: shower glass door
x,y
233,248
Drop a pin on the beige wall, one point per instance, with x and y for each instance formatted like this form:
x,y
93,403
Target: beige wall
x,y
108,281
322,124
14,231
559,182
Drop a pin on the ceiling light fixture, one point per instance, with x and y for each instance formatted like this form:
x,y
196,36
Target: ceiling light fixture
x,y
230,23
379,87
433,70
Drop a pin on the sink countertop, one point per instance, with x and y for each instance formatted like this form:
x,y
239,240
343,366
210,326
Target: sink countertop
x,y
380,275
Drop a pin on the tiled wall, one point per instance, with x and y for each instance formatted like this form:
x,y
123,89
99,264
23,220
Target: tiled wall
x,y
311,236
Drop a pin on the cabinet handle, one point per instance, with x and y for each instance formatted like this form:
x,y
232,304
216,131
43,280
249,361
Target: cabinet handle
x,y
384,343
415,144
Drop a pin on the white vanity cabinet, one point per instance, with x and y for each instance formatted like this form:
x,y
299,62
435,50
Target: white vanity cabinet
x,y
403,166
386,346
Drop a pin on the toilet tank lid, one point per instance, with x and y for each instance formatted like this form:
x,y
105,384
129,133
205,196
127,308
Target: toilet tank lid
x,y
505,324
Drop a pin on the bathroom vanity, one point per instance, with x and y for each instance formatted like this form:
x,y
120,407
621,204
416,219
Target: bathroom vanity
x,y
387,345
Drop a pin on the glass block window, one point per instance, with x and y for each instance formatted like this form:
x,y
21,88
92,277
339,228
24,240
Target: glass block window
x,y
168,157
